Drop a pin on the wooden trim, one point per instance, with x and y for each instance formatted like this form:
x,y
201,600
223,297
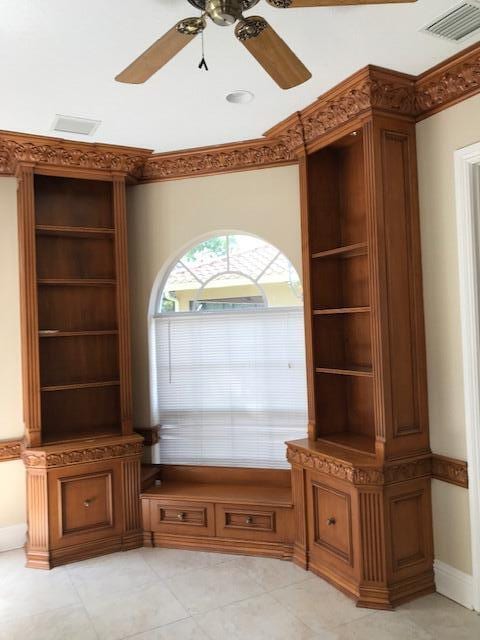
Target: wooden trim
x,y
450,82
63,155
225,158
28,305
369,88
385,91
79,452
450,470
11,449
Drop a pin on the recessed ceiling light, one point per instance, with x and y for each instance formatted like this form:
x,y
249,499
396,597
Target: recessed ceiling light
x,y
71,124
240,96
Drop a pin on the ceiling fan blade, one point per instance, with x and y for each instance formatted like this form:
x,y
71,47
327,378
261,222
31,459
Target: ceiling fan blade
x,y
271,52
161,51
295,4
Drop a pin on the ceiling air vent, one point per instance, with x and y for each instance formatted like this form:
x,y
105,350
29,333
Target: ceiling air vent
x,y
458,23
70,124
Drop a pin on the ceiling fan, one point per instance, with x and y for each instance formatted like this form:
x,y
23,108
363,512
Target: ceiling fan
x,y
253,32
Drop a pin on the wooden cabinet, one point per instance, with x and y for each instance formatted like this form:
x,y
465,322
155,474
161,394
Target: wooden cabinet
x,y
82,459
235,518
361,481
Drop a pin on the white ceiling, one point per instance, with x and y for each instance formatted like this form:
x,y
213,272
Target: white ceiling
x,y
61,56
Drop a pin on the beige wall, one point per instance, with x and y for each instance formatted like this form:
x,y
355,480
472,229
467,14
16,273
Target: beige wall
x,y
12,474
437,139
166,218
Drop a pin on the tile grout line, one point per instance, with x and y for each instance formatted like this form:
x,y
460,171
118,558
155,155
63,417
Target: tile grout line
x,y
82,603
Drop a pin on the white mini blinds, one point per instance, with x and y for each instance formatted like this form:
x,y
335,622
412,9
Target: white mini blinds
x,y
229,388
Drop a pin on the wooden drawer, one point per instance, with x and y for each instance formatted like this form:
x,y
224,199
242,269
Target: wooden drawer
x,y
183,518
253,523
85,503
331,509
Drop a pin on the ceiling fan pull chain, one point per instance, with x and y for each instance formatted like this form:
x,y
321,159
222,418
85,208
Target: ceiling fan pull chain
x,y
203,64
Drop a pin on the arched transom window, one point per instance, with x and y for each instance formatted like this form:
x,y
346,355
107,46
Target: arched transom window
x,y
230,272
228,357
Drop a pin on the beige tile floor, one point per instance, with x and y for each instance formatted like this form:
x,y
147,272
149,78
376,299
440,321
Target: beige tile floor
x,y
164,594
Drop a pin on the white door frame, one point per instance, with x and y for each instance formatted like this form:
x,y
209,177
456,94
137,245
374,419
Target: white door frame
x,y
467,187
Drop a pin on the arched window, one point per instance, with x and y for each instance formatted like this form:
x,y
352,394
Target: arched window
x,y
228,357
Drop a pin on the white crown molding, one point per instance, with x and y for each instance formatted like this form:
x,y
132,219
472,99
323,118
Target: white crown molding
x,y
467,187
12,537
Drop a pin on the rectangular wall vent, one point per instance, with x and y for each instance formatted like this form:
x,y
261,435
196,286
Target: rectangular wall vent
x,y
458,23
71,124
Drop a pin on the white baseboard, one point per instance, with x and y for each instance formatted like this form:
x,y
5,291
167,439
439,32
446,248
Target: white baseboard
x,y
12,537
454,584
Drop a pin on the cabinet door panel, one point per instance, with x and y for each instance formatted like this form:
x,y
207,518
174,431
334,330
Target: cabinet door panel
x,y
85,503
332,512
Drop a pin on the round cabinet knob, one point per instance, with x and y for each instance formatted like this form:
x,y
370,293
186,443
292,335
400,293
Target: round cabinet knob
x,y
181,516
87,503
331,521
248,520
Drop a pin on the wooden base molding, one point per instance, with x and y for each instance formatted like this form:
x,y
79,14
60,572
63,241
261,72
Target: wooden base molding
x,y
280,551
10,449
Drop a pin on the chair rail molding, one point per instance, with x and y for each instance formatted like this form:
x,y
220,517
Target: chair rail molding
x,y
467,187
11,449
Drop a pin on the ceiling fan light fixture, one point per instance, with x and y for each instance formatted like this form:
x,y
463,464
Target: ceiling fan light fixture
x,y
224,12
239,96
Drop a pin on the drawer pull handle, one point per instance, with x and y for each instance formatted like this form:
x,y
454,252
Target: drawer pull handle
x,y
87,503
181,516
249,520
331,521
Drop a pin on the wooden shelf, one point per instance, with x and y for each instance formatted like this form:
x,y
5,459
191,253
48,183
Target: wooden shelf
x,y
76,282
330,312
80,232
82,385
351,250
347,371
351,442
54,333
59,437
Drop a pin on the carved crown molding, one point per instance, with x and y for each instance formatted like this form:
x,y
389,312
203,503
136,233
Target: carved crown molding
x,y
56,457
54,152
10,449
369,88
449,82
450,470
240,156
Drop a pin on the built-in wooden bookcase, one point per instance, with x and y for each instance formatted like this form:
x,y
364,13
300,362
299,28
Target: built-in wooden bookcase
x,y
340,298
363,472
77,311
82,458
